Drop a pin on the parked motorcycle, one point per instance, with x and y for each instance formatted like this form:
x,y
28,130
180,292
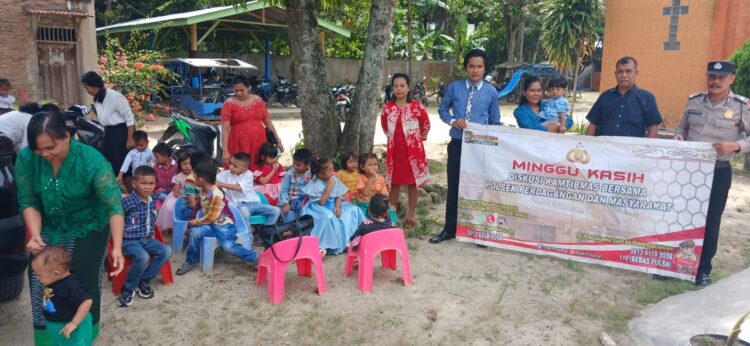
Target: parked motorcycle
x,y
388,90
84,129
285,92
342,94
195,136
441,92
419,92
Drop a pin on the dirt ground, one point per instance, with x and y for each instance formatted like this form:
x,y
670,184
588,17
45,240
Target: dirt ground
x,y
461,294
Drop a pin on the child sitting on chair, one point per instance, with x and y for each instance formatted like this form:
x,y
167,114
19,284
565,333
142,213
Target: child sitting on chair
x,y
147,254
216,222
237,183
291,197
377,219
268,173
66,304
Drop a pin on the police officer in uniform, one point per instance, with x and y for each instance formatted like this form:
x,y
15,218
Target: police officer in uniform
x,y
717,116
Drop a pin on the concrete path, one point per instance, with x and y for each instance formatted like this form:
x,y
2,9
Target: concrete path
x,y
711,310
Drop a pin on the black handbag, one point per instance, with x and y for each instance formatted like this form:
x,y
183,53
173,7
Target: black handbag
x,y
272,234
270,138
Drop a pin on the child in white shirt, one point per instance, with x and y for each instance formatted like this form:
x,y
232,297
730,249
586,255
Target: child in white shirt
x,y
237,183
141,155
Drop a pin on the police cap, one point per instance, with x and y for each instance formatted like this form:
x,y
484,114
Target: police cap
x,y
720,67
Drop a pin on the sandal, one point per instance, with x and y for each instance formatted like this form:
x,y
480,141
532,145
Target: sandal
x,y
410,224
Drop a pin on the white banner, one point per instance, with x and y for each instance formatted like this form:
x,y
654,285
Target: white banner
x,y
631,203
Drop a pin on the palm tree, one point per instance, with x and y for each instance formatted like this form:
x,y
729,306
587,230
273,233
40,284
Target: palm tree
x,y
569,33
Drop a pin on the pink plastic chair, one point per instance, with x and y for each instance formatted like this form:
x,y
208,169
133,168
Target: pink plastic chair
x,y
386,243
270,266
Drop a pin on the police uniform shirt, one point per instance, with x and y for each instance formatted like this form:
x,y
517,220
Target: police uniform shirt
x,y
703,121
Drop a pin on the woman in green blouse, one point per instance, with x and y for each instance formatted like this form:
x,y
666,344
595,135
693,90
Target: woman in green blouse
x,y
68,195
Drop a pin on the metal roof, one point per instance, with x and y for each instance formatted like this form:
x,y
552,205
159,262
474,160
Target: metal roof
x,y
218,63
58,12
273,17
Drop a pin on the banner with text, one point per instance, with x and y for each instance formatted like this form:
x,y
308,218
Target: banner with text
x,y
631,203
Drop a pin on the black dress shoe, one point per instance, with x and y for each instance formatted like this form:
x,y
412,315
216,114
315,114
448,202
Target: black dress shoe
x,y
662,277
481,246
703,279
443,236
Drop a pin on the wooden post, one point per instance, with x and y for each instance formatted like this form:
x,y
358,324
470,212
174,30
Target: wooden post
x,y
193,40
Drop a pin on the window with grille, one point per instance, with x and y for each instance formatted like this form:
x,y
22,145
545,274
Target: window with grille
x,y
46,34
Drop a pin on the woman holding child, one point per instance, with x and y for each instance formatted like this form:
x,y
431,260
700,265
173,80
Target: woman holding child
x,y
244,120
531,104
68,195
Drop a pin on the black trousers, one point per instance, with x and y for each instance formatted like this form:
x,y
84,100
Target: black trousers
x,y
454,172
717,202
114,146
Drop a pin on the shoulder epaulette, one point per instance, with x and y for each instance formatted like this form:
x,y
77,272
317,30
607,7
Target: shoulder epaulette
x,y
696,95
741,98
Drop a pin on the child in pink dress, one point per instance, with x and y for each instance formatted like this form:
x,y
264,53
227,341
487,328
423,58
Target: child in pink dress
x,y
268,173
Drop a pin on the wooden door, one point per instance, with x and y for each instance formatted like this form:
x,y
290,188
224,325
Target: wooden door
x,y
58,73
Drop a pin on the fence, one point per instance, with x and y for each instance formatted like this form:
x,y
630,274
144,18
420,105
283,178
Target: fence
x,y
347,70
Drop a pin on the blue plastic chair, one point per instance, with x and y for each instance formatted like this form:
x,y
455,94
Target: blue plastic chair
x,y
259,219
179,227
210,244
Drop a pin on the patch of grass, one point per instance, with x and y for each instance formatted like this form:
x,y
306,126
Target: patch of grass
x,y
616,319
653,291
201,329
436,166
491,276
558,281
425,226
574,266
579,128
423,209
567,319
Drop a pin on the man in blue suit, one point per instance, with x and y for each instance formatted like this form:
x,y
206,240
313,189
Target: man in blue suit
x,y
466,100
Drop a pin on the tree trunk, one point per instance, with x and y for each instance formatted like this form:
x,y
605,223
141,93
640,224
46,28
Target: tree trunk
x,y
521,29
536,49
359,130
109,6
320,126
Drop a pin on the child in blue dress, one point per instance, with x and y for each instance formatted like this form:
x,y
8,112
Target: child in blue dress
x,y
335,220
556,109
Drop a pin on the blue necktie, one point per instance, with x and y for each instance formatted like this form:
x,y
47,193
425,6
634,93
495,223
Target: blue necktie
x,y
472,89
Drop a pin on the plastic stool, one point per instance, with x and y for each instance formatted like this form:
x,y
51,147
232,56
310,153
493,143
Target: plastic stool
x,y
210,244
179,226
387,243
259,219
119,281
269,266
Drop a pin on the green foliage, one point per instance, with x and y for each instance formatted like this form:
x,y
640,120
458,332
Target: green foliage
x,y
742,58
136,74
570,30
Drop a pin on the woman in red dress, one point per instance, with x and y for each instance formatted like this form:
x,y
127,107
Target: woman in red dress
x,y
406,124
244,118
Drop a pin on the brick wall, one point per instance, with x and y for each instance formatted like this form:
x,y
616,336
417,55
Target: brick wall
x,y
639,28
731,28
18,53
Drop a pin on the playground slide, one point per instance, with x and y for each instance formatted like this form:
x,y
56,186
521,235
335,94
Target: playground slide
x,y
512,84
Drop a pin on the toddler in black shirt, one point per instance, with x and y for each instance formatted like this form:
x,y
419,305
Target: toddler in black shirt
x,y
66,303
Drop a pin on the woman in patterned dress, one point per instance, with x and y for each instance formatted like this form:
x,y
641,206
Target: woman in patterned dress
x,y
406,124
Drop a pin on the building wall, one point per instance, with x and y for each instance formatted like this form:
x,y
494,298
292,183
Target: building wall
x,y
640,29
18,52
731,28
